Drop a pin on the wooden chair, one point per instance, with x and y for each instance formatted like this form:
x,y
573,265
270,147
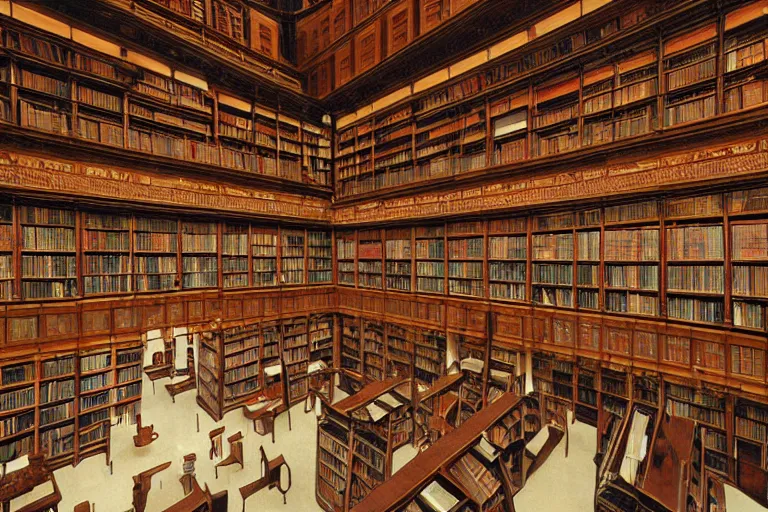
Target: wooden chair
x,y
142,483
235,453
144,435
83,507
213,434
270,477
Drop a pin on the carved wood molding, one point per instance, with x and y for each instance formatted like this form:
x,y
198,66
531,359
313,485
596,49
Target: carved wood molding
x,y
692,168
21,172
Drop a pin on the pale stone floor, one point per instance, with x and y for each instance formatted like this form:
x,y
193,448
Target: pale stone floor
x,y
562,484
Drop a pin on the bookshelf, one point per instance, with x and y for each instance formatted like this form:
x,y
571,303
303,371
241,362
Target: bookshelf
x,y
708,409
68,90
631,258
156,248
351,348
234,255
553,260
690,70
400,351
374,351
96,394
588,257
346,254
476,467
199,246
507,259
49,247
370,256
430,356
320,257
356,439
593,99
750,433
264,256
295,357
695,268
106,253
17,409
398,261
430,259
749,272
506,371
466,253
613,400
555,117
292,259
450,141
316,153
289,148
509,118
321,338
210,380
230,367
472,353
7,268
587,389
58,397
242,363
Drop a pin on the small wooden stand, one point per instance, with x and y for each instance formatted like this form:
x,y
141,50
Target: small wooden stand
x,y
270,477
235,453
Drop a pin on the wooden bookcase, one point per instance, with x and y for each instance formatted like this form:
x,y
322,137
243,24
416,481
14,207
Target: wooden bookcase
x,y
346,258
456,468
49,253
95,98
466,253
356,439
370,257
321,338
234,256
507,259
518,108
295,357
292,256
7,269
319,257
106,254
156,247
399,261
264,256
374,351
200,246
63,403
430,259
351,344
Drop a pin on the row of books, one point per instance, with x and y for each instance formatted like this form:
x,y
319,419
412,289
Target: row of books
x,y
628,302
48,238
155,264
17,373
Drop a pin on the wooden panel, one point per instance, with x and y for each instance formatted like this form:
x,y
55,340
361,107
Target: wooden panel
x,y
343,63
264,35
367,48
399,27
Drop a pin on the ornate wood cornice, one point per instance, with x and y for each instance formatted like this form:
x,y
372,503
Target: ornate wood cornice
x,y
694,168
25,173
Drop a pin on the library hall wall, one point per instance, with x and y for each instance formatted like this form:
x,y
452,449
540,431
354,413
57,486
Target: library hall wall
x,y
580,84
